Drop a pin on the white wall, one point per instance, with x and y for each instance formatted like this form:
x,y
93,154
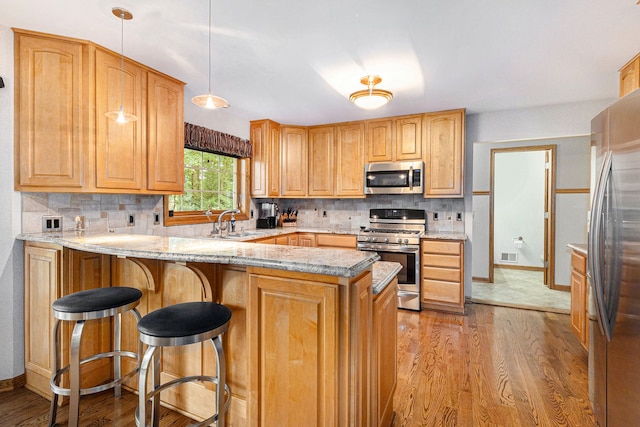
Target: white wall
x,y
552,121
11,288
519,191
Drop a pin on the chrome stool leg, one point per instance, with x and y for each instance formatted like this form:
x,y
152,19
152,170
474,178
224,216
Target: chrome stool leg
x,y
74,374
221,374
53,411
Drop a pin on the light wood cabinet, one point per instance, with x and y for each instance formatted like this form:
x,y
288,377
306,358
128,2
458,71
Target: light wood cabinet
x,y
444,154
307,239
282,240
349,161
293,239
443,275
579,297
52,113
630,76
384,363
265,161
293,171
394,139
321,161
64,143
42,286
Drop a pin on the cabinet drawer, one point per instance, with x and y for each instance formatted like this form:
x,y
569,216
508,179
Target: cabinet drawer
x,y
435,260
337,240
578,262
447,274
440,247
440,291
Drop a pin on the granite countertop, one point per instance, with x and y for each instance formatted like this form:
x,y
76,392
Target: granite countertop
x,y
332,262
383,274
268,232
578,247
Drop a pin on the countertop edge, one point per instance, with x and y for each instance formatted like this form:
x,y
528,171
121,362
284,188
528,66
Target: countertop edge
x,y
578,247
383,274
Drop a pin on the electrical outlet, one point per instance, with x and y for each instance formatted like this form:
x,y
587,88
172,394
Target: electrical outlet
x,y
156,218
435,216
131,220
51,223
251,213
324,214
458,216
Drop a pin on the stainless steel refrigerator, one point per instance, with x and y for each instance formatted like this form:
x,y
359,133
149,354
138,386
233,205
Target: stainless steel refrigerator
x,y
614,266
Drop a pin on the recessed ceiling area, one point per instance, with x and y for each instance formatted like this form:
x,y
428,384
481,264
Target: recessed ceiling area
x,y
297,61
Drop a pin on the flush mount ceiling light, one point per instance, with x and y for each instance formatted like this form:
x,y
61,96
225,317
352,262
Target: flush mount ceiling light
x,y
209,101
370,98
119,115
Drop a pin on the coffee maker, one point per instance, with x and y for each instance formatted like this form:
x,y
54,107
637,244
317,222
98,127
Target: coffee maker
x,y
267,215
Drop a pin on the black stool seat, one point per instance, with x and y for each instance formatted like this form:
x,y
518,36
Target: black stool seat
x,y
95,303
184,323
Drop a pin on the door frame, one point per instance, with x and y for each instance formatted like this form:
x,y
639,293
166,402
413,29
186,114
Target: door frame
x,y
549,205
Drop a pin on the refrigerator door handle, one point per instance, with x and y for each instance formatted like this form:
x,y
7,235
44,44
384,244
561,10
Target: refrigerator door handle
x,y
594,246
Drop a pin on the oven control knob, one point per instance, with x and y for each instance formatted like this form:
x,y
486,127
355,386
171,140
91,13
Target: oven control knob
x,y
386,240
399,240
406,241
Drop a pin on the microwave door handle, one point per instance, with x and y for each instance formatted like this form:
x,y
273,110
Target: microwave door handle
x,y
410,178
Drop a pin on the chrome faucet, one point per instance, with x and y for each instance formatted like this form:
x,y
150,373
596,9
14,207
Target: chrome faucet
x,y
233,219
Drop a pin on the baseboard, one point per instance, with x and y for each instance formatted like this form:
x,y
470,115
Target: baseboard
x,y
13,383
480,279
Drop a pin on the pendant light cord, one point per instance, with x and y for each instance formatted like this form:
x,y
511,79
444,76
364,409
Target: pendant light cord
x,y
122,60
210,47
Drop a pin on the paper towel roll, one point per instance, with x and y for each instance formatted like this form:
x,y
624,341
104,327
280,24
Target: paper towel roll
x,y
517,242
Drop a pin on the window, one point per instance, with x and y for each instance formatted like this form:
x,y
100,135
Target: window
x,y
211,182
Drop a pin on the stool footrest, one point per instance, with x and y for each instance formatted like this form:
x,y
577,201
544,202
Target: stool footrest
x,y
63,391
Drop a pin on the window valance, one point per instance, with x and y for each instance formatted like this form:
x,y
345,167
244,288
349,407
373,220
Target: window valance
x,y
212,141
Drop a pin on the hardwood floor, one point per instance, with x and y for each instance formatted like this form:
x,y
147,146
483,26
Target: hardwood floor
x,y
497,366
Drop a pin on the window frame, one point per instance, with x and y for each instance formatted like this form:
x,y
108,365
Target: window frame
x,y
198,217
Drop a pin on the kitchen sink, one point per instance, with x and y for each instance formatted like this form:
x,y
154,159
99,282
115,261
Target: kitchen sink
x,y
239,236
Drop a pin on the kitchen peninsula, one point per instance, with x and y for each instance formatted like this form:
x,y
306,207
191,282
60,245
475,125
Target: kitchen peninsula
x,y
309,341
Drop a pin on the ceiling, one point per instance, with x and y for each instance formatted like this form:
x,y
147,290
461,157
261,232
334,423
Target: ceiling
x,y
296,62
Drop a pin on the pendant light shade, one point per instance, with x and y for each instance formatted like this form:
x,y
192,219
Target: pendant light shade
x,y
370,98
208,100
119,115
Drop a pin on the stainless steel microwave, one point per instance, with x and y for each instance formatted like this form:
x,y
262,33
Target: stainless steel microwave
x,y
394,178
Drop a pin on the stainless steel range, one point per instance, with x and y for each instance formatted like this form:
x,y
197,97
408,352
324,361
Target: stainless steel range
x,y
395,235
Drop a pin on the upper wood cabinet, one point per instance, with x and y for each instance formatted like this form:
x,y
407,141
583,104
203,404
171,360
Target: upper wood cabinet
x,y
265,161
52,112
293,162
444,154
328,160
630,76
64,143
321,161
350,160
396,139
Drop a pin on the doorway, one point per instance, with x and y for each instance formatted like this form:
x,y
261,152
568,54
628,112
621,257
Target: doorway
x,y
521,205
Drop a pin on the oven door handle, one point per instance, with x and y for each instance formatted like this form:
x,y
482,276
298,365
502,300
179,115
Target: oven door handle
x,y
402,249
407,294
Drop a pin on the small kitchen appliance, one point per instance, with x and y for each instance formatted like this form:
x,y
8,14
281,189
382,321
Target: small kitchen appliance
x,y
395,235
267,215
394,178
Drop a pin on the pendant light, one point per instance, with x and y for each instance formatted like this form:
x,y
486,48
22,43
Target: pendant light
x,y
119,115
208,100
370,98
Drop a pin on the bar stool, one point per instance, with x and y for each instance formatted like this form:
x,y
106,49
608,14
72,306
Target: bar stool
x,y
80,307
177,325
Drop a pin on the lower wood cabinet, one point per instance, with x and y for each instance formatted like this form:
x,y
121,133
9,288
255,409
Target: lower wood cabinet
x,y
384,363
579,297
443,275
338,241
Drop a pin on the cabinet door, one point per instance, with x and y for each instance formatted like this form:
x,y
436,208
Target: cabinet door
x,y
42,286
264,166
120,151
293,166
577,305
630,77
349,164
384,372
321,161
444,156
408,144
52,109
379,140
293,240
282,240
165,134
293,334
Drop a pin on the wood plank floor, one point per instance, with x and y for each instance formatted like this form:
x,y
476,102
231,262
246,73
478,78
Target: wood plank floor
x,y
497,366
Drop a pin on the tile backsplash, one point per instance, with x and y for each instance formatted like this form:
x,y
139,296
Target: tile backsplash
x,y
109,212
